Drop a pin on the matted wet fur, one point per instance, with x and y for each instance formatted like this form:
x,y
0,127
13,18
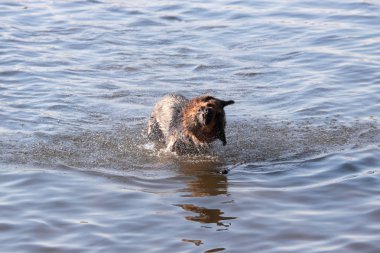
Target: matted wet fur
x,y
188,126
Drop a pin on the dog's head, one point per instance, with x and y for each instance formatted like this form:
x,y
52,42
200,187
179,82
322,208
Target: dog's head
x,y
204,118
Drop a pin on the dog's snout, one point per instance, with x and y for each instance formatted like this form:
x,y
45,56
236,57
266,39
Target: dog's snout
x,y
208,113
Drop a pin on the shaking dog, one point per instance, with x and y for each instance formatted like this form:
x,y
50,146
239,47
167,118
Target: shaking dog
x,y
188,126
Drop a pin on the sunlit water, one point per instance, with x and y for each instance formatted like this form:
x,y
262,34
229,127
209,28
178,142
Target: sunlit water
x,y
78,80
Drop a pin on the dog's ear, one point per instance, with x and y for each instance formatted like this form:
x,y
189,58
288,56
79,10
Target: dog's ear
x,y
222,137
225,103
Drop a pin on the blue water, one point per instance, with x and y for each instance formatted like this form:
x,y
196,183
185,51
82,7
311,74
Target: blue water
x,y
78,80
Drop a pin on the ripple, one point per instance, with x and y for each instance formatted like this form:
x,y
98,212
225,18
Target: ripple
x,y
171,18
146,22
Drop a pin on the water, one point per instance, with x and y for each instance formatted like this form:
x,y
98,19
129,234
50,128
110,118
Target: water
x,y
78,80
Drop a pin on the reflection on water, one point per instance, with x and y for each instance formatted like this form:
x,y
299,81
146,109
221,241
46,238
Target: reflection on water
x,y
207,185
205,182
204,215
196,242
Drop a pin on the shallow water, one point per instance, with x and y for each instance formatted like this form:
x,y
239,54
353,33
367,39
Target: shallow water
x,y
78,80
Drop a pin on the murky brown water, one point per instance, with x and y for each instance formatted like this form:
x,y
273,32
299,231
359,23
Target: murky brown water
x,y
78,80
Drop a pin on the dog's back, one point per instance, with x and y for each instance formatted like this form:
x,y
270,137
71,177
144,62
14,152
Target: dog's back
x,y
166,117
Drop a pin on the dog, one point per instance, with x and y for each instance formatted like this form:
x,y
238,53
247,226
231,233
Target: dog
x,y
188,126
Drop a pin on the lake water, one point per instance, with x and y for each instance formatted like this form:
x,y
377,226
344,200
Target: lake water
x,y
78,80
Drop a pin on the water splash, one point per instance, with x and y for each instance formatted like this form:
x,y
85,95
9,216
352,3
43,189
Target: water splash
x,y
126,148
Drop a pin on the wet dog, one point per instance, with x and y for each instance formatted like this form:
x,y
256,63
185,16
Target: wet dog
x,y
188,126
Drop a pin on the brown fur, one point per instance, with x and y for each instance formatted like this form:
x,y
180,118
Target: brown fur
x,y
188,126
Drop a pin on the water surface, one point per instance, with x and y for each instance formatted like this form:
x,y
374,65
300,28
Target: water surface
x,y
78,80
